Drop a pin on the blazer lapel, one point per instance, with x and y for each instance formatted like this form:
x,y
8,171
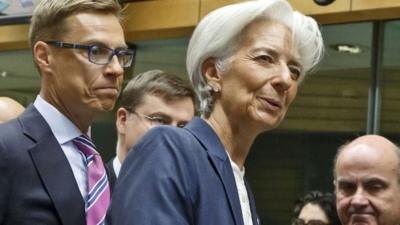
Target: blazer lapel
x,y
112,177
225,172
254,216
220,161
54,170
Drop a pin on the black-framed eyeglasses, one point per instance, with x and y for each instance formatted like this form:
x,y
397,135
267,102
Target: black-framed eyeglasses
x,y
298,221
100,55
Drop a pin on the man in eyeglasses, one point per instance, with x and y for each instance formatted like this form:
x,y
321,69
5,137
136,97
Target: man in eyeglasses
x,y
150,99
367,182
50,171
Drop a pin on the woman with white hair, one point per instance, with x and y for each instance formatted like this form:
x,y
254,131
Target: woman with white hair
x,y
245,62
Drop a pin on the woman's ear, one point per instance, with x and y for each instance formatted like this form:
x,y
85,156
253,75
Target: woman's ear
x,y
42,55
211,74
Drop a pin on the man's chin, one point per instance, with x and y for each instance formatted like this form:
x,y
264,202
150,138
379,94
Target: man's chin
x,y
363,219
108,108
105,107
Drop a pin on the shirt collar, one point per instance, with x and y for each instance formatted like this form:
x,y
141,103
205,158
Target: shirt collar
x,y
116,166
63,129
236,168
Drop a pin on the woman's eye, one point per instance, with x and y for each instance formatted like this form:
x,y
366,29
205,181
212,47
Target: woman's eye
x,y
295,72
264,58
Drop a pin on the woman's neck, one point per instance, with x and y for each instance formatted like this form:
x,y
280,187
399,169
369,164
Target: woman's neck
x,y
234,135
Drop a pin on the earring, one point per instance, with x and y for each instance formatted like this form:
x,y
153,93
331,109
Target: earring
x,y
213,89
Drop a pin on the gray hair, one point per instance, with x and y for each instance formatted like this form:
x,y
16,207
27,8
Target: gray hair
x,y
217,36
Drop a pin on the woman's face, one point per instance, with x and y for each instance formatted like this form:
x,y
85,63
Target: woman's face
x,y
313,214
261,81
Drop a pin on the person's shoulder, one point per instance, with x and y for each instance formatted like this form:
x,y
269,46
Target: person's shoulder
x,y
10,129
166,140
169,134
167,130
11,143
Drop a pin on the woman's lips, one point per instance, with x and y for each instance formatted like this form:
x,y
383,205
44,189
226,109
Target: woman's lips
x,y
271,104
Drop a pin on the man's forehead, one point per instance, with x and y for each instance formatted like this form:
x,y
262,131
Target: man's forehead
x,y
364,153
93,27
357,151
365,168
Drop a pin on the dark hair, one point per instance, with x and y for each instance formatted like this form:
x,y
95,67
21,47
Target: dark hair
x,y
326,201
167,86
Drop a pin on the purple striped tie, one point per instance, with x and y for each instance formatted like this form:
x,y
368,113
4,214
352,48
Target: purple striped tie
x,y
98,197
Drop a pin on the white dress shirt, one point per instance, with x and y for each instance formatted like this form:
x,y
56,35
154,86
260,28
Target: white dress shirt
x,y
242,192
116,166
65,131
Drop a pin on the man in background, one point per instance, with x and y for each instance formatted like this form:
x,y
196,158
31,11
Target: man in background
x,y
367,182
150,99
9,109
50,171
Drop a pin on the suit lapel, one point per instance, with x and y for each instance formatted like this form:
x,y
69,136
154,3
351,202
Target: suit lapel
x,y
112,177
220,161
54,169
225,172
254,216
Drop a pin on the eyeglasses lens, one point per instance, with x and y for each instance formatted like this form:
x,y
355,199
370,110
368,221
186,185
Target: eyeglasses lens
x,y
103,56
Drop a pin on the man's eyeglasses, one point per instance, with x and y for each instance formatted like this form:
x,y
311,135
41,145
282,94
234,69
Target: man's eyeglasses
x,y
153,120
299,221
100,55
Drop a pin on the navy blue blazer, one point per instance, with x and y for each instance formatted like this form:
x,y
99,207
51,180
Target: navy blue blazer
x,y
37,185
112,177
176,176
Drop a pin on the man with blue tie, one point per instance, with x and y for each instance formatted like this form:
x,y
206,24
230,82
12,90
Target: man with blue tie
x,y
50,171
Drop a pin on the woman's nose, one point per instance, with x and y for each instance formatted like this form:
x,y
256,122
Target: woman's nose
x,y
283,79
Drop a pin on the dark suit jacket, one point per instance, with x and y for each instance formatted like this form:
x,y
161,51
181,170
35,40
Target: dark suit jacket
x,y
112,177
178,176
37,185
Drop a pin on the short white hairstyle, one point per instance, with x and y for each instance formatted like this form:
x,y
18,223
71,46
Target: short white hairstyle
x,y
217,36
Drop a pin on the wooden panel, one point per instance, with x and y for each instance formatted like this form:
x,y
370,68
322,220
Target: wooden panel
x,y
327,101
305,6
310,8
143,21
337,12
364,10
207,6
158,18
323,125
374,4
14,37
339,106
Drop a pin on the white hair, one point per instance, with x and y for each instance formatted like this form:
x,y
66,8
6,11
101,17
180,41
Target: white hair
x,y
217,36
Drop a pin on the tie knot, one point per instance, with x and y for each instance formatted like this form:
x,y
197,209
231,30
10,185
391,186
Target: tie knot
x,y
85,145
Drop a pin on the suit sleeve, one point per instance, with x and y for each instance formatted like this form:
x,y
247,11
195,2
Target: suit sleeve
x,y
155,183
4,181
